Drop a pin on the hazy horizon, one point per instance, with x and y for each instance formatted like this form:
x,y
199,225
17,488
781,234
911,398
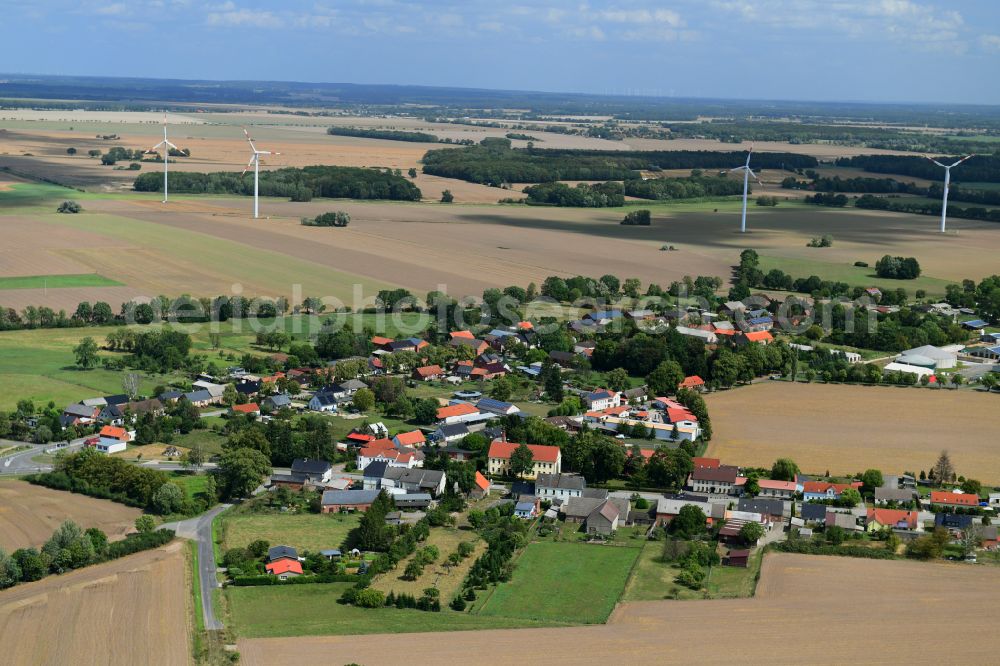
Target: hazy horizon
x,y
878,51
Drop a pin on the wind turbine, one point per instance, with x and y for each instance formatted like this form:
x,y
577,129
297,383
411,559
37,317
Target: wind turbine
x,y
255,162
947,180
747,172
166,145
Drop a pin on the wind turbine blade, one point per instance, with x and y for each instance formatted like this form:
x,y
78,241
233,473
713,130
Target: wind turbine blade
x,y
249,164
172,146
961,160
755,177
936,162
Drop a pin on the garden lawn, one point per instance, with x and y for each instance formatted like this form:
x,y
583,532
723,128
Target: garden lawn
x,y
653,580
304,610
304,531
564,582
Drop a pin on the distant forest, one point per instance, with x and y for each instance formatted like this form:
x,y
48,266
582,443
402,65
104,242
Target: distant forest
x,y
391,135
332,182
892,186
979,169
598,195
693,187
494,162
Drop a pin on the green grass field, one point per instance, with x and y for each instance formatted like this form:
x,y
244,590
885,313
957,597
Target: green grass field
x,y
312,610
856,276
193,484
306,531
563,582
653,580
57,281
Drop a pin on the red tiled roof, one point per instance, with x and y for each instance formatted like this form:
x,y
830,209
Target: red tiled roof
x,y
525,325
360,437
675,414
429,370
771,484
691,382
892,517
954,499
283,566
249,408
711,463
462,334
759,336
539,453
410,438
115,433
481,482
380,341
460,409
381,444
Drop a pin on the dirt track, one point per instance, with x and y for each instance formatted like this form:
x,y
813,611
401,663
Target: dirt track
x,y
807,610
135,610
847,429
29,514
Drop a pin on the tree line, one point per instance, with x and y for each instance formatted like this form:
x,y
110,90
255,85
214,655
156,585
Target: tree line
x,y
494,162
873,202
865,185
692,187
598,195
979,169
299,184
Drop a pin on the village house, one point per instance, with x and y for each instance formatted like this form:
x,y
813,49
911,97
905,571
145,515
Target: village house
x,y
778,489
456,413
607,517
250,408
955,523
480,486
898,495
824,490
284,569
113,439
315,470
413,438
709,337
559,486
669,507
692,383
775,509
447,433
893,519
323,401
601,399
943,498
428,373
402,480
545,459
754,337
721,480
277,402
385,450
334,501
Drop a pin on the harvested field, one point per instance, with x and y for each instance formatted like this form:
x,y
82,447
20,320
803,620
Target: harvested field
x,y
957,599
134,610
29,514
845,429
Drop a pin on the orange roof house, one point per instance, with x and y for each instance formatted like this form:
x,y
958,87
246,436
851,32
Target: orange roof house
x,y
412,438
706,463
539,452
249,408
761,337
461,334
380,341
692,382
481,483
428,372
283,567
946,498
460,409
113,432
881,518
525,325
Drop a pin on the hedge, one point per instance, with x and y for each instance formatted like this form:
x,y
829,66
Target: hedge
x,y
253,581
804,547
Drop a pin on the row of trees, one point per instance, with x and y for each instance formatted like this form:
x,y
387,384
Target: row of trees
x,y
980,169
598,195
692,187
300,184
873,202
71,547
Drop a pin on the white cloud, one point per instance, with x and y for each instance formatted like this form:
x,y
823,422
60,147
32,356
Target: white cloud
x,y
990,42
243,18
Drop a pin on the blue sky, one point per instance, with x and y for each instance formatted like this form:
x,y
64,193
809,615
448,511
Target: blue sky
x,y
879,50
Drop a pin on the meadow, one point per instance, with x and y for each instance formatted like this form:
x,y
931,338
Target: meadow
x,y
56,281
653,579
305,531
563,582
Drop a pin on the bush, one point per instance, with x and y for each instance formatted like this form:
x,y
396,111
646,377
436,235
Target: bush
x,y
861,264
637,217
458,604
369,598
69,207
335,219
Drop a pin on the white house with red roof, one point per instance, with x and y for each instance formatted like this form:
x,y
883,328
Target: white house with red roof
x,y
824,490
387,451
113,439
778,489
546,459
954,499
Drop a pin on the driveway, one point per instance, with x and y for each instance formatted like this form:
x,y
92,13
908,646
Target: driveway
x,y
200,530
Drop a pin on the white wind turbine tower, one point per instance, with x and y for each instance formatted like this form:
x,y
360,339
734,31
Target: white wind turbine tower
x,y
947,181
255,162
166,146
747,172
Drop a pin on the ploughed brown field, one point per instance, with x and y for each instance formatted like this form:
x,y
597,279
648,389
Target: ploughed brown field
x,y
847,429
29,514
808,609
134,610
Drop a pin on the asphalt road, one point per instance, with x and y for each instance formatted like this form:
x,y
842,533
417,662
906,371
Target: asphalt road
x,y
200,530
21,463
